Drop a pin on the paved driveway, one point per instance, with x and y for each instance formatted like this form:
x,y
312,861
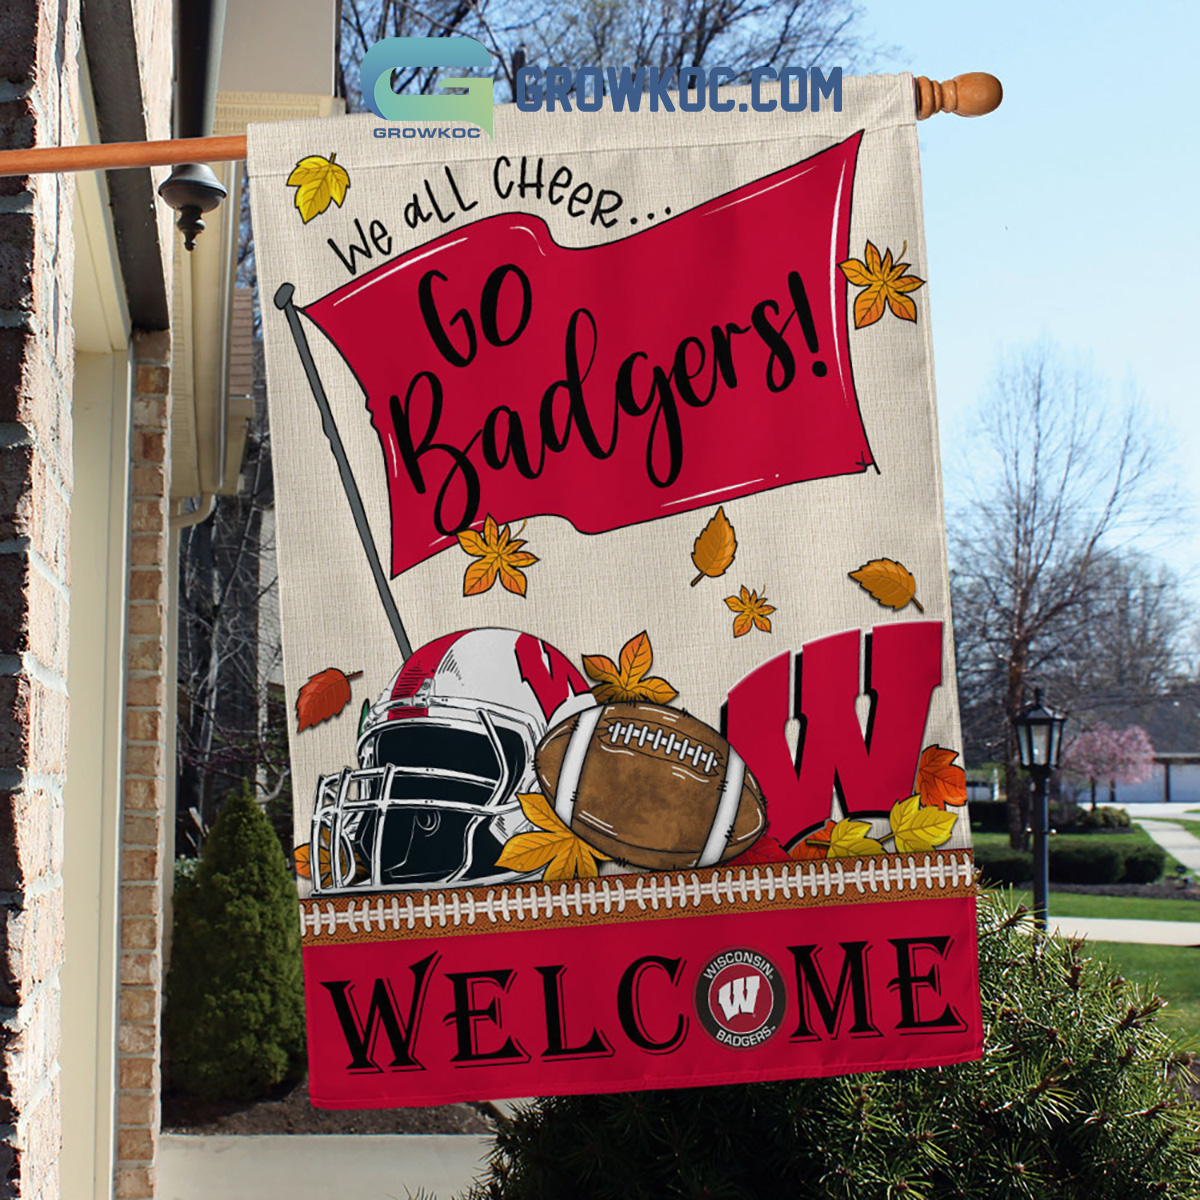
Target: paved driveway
x,y
317,1167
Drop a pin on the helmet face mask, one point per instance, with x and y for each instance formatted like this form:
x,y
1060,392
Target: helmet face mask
x,y
435,795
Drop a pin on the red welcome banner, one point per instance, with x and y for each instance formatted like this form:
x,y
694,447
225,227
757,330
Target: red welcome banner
x,y
430,999
614,800
508,375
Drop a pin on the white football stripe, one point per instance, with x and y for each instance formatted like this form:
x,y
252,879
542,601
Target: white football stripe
x,y
567,787
727,810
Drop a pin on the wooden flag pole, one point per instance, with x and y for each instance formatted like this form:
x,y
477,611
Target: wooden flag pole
x,y
972,95
111,156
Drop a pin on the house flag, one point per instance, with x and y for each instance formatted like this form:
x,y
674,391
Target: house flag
x,y
617,639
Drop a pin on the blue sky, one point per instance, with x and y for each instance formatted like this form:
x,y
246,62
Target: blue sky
x,y
1071,213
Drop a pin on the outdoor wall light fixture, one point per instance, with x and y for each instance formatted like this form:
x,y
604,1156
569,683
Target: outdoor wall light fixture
x,y
1039,743
192,190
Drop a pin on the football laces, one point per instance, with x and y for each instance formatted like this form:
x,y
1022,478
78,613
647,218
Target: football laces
x,y
668,744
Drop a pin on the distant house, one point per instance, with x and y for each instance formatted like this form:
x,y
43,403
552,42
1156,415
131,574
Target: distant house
x,y
1173,723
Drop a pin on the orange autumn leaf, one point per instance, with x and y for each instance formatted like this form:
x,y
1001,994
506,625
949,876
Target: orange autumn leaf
x,y
714,549
301,856
939,781
325,695
889,582
886,285
551,845
499,555
753,611
628,681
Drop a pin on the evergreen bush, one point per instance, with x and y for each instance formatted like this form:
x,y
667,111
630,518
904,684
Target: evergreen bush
x,y
1003,864
989,816
1091,861
1066,814
234,1021
1079,1095
1144,864
1104,817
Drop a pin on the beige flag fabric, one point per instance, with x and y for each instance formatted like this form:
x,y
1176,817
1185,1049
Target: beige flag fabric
x,y
614,592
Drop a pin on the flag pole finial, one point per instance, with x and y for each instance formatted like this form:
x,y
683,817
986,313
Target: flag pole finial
x,y
974,94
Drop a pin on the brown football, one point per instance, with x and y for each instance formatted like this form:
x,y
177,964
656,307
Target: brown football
x,y
651,786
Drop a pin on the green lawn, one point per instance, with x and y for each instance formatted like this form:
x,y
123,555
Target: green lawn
x,y
1127,837
1176,970
1193,827
1132,908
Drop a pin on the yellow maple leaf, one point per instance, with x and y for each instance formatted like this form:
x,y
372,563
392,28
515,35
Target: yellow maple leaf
x,y
918,827
886,285
551,845
628,682
714,548
500,556
890,582
848,839
319,182
752,609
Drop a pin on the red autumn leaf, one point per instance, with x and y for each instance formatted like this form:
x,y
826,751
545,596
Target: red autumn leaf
x,y
815,845
765,850
939,782
325,695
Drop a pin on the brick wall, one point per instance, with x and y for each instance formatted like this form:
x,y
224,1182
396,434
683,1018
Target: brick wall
x,y
144,816
38,45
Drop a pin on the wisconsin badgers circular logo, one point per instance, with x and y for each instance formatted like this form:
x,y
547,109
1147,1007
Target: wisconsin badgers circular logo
x,y
740,998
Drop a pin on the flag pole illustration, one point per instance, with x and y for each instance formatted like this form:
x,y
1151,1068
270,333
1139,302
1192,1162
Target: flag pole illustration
x,y
283,301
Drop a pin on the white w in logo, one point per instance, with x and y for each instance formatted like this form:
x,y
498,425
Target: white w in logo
x,y
739,995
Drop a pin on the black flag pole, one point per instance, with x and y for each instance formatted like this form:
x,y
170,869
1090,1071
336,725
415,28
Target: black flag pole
x,y
283,301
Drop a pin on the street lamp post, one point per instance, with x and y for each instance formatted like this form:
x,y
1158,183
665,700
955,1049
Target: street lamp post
x,y
1039,743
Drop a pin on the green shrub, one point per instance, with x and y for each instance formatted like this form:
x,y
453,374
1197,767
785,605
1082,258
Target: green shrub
x,y
1091,861
1074,1097
1002,864
1104,817
1065,814
234,1020
185,875
1144,864
989,816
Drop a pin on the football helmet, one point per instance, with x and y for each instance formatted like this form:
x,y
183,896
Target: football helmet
x,y
442,755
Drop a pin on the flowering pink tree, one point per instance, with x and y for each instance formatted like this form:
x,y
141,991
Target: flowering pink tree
x,y
1104,753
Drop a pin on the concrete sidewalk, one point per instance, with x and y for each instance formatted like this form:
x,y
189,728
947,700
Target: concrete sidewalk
x,y
318,1167
1174,839
1113,929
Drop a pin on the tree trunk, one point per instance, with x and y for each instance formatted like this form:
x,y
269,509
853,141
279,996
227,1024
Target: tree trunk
x,y
1093,782
1016,791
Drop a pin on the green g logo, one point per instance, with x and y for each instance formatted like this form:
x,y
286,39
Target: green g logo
x,y
393,54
